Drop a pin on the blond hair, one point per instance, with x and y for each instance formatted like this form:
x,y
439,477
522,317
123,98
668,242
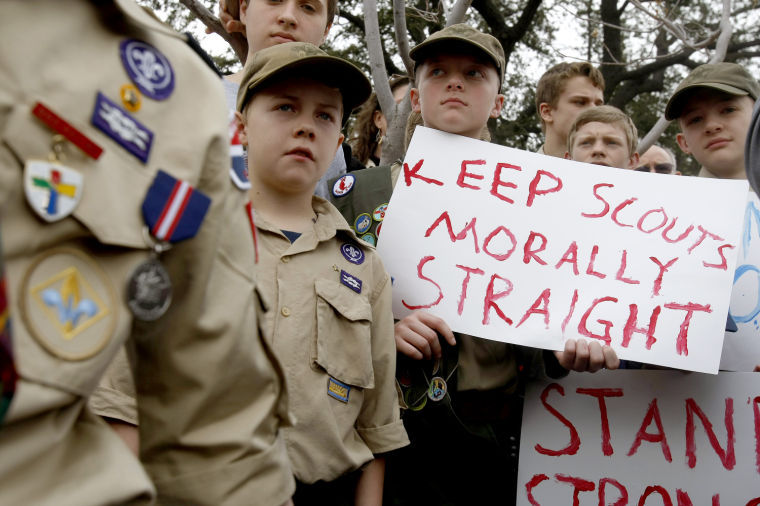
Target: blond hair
x,y
552,83
605,114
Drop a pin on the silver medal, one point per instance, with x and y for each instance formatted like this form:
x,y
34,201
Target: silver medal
x,y
149,291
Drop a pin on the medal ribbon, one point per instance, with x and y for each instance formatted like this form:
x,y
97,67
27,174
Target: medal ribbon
x,y
66,129
8,374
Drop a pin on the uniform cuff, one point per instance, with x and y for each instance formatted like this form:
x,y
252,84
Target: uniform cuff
x,y
265,479
111,403
385,438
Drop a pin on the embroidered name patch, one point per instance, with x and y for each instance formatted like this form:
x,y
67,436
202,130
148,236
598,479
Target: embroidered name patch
x,y
338,390
120,126
350,281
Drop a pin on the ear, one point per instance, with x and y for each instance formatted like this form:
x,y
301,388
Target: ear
x,y
242,128
243,12
379,120
567,155
545,110
682,144
497,106
633,161
414,98
341,137
327,30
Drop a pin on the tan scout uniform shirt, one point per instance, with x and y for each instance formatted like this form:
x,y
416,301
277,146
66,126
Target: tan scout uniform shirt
x,y
323,330
203,440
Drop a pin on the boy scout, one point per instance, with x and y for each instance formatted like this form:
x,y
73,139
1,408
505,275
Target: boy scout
x,y
562,93
713,106
464,423
114,228
603,135
330,317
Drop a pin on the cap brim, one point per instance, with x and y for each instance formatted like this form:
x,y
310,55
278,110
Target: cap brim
x,y
354,87
674,108
421,51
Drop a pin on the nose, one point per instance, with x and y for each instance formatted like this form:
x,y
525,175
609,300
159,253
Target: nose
x,y
287,15
713,124
455,82
305,129
598,149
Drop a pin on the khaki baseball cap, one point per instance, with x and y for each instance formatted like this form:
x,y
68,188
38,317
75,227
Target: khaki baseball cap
x,y
299,60
462,35
727,77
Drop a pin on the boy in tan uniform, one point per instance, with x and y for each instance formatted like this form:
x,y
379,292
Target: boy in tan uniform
x,y
563,92
713,106
116,229
329,297
603,135
464,443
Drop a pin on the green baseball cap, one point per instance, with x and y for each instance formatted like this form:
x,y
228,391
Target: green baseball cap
x,y
299,60
462,35
730,78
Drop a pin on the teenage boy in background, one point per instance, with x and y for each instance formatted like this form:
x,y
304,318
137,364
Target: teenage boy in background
x,y
563,92
603,135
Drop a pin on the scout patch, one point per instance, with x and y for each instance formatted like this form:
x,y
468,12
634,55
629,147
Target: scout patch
x,y
68,304
362,223
350,281
148,68
120,126
238,170
338,390
352,253
377,229
130,97
437,389
343,185
52,190
379,213
369,239
172,209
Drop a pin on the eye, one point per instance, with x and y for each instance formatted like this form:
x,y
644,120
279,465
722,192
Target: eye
x,y
693,120
729,109
436,71
612,143
325,116
285,107
308,7
475,73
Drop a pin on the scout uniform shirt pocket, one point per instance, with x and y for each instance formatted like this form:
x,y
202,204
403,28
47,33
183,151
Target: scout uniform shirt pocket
x,y
69,297
343,341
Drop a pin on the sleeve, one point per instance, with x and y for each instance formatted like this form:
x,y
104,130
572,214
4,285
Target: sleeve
x,y
210,394
379,423
114,396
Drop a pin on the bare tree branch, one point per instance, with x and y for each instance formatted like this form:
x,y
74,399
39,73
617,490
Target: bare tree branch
x,y
402,38
237,43
726,29
457,12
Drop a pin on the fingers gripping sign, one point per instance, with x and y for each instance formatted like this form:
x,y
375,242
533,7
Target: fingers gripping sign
x,y
417,335
582,356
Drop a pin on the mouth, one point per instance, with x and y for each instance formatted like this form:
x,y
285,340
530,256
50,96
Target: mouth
x,y
454,101
717,143
603,164
301,153
283,36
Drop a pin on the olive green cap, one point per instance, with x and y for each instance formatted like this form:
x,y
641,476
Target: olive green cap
x,y
303,60
464,36
730,78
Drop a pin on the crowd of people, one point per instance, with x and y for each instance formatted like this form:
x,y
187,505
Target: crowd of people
x,y
230,319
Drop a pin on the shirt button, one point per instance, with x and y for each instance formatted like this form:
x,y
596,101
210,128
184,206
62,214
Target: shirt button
x,y
285,311
285,259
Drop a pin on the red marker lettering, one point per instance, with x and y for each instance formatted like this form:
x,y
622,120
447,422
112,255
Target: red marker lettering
x,y
590,269
724,264
653,413
540,306
631,328
680,237
533,483
503,256
529,253
489,303
412,173
465,282
497,181
572,310
682,343
462,233
606,209
756,412
463,174
620,276
570,257
422,276
644,216
704,234
575,441
727,456
533,190
600,394
663,269
666,501
683,498
622,492
583,329
579,485
619,208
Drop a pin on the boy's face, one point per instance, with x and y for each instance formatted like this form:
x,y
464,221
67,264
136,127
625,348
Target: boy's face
x,y
602,144
270,22
457,93
578,95
714,129
292,131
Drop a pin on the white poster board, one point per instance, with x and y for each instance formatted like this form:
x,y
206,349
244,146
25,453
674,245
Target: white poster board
x,y
741,349
653,437
529,249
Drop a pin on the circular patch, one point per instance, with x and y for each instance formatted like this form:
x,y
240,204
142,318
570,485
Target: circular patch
x,y
362,223
379,213
149,291
130,97
369,239
68,304
148,68
352,253
437,389
343,185
377,229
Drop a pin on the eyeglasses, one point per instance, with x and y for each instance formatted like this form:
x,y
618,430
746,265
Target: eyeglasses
x,y
660,168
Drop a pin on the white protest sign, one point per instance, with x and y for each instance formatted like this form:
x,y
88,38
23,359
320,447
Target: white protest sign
x,y
641,437
741,349
529,249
